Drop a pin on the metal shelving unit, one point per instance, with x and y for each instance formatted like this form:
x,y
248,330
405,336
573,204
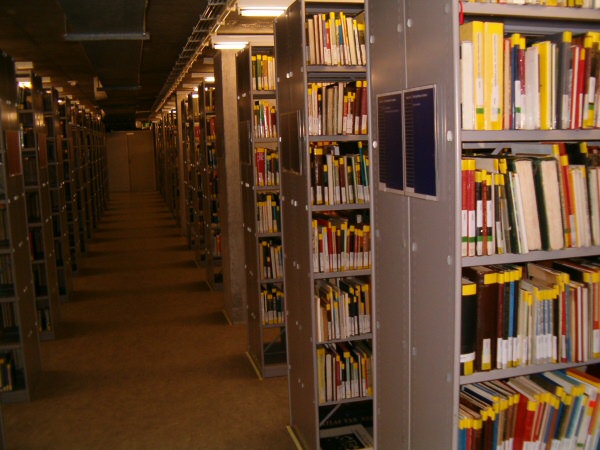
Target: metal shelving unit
x,y
35,161
19,345
418,244
210,253
260,194
58,199
311,410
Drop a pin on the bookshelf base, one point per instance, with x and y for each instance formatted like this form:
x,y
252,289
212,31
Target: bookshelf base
x,y
294,437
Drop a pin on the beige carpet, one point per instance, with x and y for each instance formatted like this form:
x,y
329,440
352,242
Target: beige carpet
x,y
144,358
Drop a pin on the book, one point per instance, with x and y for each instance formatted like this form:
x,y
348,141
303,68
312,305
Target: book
x,y
466,85
485,279
547,189
493,42
473,32
468,326
563,45
525,190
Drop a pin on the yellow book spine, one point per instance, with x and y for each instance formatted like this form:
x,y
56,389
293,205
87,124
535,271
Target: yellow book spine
x,y
473,32
493,76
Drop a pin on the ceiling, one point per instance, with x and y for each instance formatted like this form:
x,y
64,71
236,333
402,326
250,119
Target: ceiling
x,y
119,56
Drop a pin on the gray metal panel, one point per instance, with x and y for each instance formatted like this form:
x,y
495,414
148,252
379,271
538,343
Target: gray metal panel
x,y
432,59
392,258
296,230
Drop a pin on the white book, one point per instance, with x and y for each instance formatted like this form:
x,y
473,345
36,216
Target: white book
x,y
532,89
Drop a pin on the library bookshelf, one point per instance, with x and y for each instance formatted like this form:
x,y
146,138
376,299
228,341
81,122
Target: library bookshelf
x,y
189,111
70,181
259,159
418,248
34,154
58,198
209,255
20,345
318,200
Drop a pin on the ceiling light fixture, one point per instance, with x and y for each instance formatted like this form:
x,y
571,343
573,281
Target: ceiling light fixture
x,y
260,11
233,45
209,79
239,41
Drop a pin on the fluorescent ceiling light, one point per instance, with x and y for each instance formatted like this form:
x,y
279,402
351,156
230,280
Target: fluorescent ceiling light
x,y
229,45
259,11
210,79
239,41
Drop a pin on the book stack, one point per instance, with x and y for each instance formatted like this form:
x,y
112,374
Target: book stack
x,y
268,213
540,197
272,305
263,72
519,83
211,128
345,371
270,259
265,120
8,372
341,242
336,39
267,166
338,108
343,308
558,409
536,313
339,173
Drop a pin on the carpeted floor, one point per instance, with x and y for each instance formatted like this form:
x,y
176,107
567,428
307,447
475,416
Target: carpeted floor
x,y
144,358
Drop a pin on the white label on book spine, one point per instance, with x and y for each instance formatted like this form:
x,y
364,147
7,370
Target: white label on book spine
x,y
486,356
596,342
467,357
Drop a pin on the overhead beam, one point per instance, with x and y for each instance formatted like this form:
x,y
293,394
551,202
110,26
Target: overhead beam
x,y
76,37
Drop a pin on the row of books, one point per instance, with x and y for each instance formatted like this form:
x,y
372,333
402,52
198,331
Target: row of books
x,y
549,410
564,3
40,280
211,128
4,241
539,197
338,108
6,271
520,315
36,244
34,212
44,321
336,178
265,120
7,315
216,244
24,98
272,305
211,156
343,308
336,39
7,371
341,242
26,136
270,259
544,83
268,218
344,371
267,166
264,76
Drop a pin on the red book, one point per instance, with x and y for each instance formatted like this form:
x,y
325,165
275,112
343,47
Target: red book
x,y
260,157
